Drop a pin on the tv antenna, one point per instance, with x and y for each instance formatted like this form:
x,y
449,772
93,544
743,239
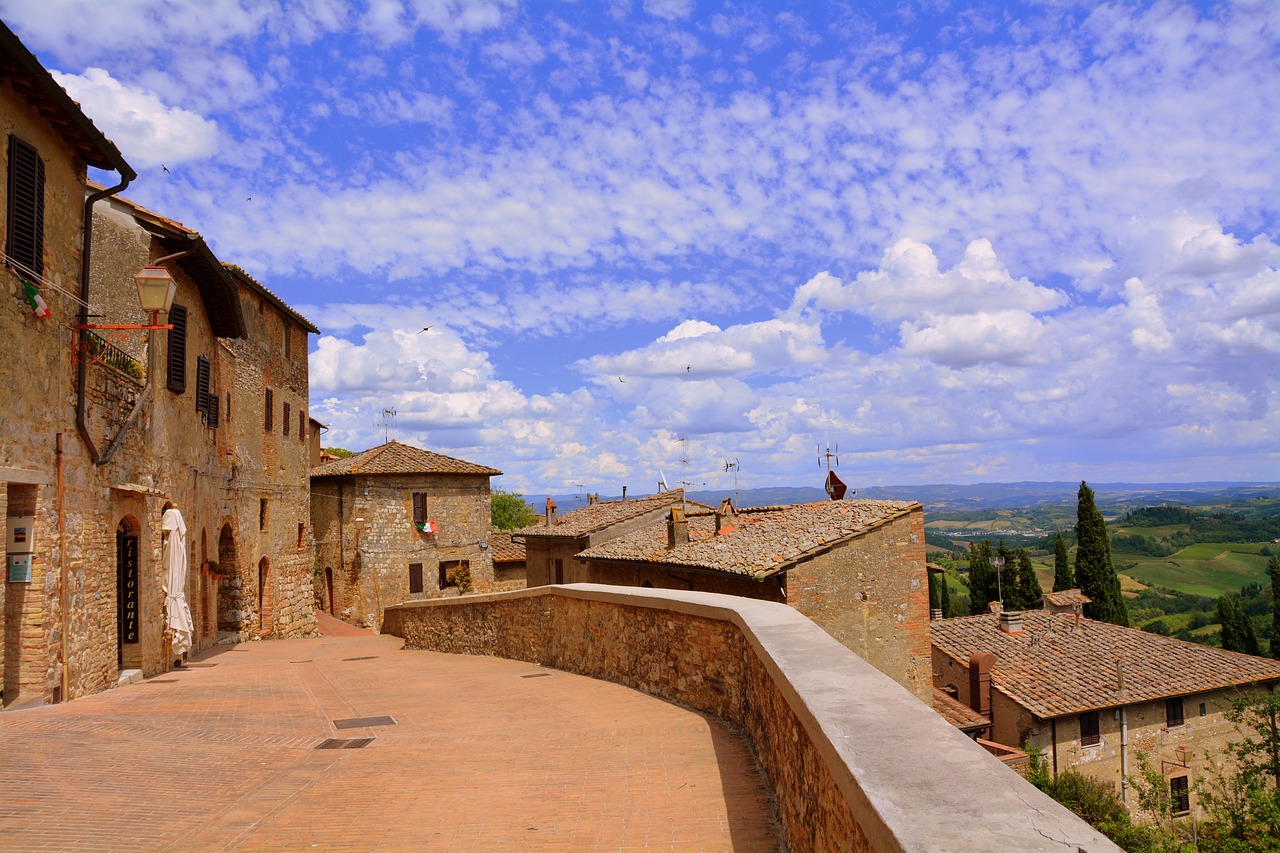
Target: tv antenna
x,y
580,488
836,489
387,415
684,462
735,466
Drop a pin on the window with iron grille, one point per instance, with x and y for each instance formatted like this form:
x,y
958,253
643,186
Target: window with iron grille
x,y
25,234
284,419
1089,735
177,372
1179,795
415,577
228,405
1173,712
268,416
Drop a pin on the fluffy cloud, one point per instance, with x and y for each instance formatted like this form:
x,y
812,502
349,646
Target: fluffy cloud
x,y
151,132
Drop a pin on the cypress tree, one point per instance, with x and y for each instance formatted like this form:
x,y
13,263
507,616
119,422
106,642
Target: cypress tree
x,y
935,595
1028,584
944,598
1063,578
982,583
1095,572
1006,580
1237,628
1273,569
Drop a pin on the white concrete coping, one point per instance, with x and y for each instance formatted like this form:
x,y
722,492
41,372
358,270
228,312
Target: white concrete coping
x,y
912,780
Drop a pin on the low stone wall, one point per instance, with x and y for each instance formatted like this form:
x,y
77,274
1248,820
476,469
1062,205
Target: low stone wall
x,y
854,760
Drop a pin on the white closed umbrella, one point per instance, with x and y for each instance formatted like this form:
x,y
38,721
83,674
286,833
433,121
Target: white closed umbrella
x,y
177,614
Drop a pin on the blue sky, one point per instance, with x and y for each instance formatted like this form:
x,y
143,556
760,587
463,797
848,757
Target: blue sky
x,y
963,241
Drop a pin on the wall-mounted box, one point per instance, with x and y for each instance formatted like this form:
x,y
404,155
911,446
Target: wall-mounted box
x,y
20,568
19,535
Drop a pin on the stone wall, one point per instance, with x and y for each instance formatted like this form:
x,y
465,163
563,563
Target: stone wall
x,y
371,566
855,762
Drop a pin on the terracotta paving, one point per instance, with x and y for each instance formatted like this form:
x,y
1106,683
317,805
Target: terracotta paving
x,y
482,757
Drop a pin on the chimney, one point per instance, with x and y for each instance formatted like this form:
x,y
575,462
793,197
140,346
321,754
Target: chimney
x,y
935,613
677,528
994,607
624,494
724,513
551,513
980,682
1011,622
591,499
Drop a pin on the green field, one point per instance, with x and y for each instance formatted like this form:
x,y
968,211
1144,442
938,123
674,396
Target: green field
x,y
1210,569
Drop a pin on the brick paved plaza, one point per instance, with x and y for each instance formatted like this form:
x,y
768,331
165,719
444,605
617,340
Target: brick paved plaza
x,y
485,755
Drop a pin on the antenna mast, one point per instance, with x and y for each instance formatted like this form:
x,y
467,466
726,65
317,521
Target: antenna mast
x,y
836,488
387,415
734,466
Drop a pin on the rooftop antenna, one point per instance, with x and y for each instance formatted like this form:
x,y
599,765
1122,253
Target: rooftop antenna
x,y
387,415
836,489
580,488
684,462
734,466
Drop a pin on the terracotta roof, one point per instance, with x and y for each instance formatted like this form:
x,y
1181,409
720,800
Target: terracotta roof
x,y
396,458
957,713
1065,598
598,516
504,549
1054,667
254,284
754,542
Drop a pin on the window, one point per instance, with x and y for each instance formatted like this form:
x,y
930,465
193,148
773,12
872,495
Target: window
x,y
177,375
302,425
206,400
262,513
559,571
419,507
25,241
268,411
447,569
1173,712
415,578
1089,729
1179,795
228,405
288,345
302,535
284,419
1202,709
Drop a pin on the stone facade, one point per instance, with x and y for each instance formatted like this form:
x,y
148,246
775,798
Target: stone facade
x,y
364,566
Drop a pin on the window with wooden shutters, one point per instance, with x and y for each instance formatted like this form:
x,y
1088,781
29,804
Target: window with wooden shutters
x,y
25,240
268,416
213,411
1179,795
203,373
1173,713
1089,734
178,349
284,419
419,507
302,425
415,577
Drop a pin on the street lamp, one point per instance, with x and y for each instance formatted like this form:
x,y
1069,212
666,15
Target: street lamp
x,y
156,290
998,563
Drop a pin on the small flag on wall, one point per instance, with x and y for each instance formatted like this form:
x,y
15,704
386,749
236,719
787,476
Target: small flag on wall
x,y
35,299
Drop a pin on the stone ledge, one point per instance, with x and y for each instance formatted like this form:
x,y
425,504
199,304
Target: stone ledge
x,y
906,778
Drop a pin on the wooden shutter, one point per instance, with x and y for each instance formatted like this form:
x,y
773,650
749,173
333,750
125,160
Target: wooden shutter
x,y
302,425
284,419
419,508
25,242
202,384
415,577
268,416
178,349
213,411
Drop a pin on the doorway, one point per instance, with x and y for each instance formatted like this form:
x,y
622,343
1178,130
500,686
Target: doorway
x,y
127,589
264,597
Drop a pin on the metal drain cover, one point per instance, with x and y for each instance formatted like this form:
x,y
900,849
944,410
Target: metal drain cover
x,y
161,681
367,657
197,665
537,675
361,722
344,743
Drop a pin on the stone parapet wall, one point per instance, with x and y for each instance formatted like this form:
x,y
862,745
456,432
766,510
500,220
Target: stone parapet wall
x,y
854,760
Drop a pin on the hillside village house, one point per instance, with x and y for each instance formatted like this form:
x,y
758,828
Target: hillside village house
x,y
508,562
855,567
1092,695
103,429
395,523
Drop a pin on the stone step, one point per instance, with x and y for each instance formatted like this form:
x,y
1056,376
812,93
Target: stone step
x,y
129,676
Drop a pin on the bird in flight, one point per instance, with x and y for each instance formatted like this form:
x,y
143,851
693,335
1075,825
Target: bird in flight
x,y
688,368
425,329
620,379
166,169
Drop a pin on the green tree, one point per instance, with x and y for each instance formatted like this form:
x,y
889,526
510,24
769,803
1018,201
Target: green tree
x,y
982,581
1237,628
1029,589
1094,570
1256,716
1063,577
1007,579
509,511
339,452
1273,569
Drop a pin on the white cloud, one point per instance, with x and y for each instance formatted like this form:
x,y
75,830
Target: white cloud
x,y
149,132
672,10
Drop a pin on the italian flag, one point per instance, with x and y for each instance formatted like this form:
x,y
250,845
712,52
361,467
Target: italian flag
x,y
35,299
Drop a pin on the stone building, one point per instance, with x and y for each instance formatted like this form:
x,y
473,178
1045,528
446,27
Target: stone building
x,y
508,562
1092,695
395,523
550,545
855,567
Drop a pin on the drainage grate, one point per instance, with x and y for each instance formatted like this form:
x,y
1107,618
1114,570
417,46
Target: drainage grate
x,y
537,675
308,660
161,681
360,722
344,743
367,657
197,665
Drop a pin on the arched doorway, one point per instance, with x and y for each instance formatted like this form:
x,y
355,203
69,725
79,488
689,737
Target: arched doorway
x,y
128,597
228,604
264,597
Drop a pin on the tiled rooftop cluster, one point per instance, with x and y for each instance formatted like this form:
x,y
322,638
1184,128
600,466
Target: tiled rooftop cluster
x,y
956,712
597,516
755,543
1056,666
396,458
504,550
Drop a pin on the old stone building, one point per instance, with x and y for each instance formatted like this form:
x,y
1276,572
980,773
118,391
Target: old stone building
x,y
856,568
395,523
508,562
1092,695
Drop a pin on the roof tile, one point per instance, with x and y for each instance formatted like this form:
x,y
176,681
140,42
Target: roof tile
x,y
396,458
598,516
